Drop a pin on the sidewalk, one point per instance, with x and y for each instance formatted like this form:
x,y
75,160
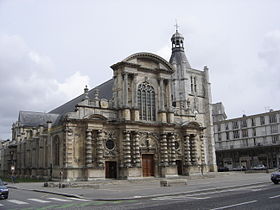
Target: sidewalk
x,y
148,188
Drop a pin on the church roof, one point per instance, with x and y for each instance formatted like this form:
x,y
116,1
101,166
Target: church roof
x,y
33,119
105,91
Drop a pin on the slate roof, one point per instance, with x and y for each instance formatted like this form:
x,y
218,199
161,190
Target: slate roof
x,y
179,58
105,91
34,119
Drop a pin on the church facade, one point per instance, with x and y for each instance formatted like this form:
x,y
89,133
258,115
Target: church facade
x,y
153,118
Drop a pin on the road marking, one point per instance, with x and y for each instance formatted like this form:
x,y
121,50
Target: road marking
x,y
1,204
276,196
38,200
59,199
78,199
233,205
17,202
255,190
179,198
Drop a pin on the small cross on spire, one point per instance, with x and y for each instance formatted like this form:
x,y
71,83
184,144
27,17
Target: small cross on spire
x,y
176,26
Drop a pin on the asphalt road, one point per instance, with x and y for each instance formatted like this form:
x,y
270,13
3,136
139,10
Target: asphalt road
x,y
265,196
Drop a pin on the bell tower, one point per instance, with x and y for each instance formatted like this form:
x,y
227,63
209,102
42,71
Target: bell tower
x,y
181,64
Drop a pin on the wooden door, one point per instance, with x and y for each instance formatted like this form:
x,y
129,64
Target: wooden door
x,y
111,169
148,165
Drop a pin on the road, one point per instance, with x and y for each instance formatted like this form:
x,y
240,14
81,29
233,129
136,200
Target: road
x,y
266,196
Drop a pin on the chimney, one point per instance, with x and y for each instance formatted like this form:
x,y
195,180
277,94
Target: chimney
x,y
49,123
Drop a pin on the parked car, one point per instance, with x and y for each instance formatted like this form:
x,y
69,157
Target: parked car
x,y
275,176
4,191
259,167
222,169
239,168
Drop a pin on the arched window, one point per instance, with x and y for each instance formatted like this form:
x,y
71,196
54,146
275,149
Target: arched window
x,y
56,150
146,102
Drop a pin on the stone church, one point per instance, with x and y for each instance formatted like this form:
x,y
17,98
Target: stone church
x,y
153,118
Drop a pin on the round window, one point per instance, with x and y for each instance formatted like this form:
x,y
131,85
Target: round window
x,y
110,144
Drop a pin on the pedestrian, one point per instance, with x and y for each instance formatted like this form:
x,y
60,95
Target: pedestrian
x,y
13,178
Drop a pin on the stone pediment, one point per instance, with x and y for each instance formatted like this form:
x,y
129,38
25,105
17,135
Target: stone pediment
x,y
95,117
146,61
192,124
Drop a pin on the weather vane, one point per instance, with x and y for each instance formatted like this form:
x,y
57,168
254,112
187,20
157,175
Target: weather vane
x,y
176,25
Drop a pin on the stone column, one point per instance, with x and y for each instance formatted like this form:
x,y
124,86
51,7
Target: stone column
x,y
69,147
172,150
164,150
136,146
202,149
89,148
187,153
100,149
126,149
193,150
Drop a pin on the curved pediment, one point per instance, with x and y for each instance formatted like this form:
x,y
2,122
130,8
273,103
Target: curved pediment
x,y
192,124
150,61
95,117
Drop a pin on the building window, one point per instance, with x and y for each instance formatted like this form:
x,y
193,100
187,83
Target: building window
x,y
245,142
191,84
255,142
146,102
219,137
253,122
235,134
56,148
254,132
227,135
272,118
235,125
262,120
219,127
245,133
244,123
274,129
274,139
226,125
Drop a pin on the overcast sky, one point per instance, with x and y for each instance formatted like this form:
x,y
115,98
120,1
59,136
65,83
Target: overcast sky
x,y
51,49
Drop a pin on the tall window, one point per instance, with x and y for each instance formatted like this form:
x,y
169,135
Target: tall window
x,y
253,122
226,126
244,133
262,120
235,134
244,123
272,118
274,139
235,125
274,128
227,135
193,84
254,132
56,151
146,102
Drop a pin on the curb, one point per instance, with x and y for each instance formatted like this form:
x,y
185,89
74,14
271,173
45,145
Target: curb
x,y
148,196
